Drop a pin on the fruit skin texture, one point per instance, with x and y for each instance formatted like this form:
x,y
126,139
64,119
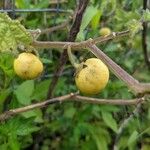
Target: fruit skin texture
x,y
28,66
92,78
105,31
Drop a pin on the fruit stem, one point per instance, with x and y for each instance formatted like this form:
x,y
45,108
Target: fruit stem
x,y
72,58
31,49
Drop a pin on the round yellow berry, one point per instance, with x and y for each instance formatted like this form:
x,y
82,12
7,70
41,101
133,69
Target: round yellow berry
x,y
92,77
105,31
28,66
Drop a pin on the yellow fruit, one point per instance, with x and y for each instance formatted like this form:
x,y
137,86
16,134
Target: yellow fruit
x,y
92,78
28,66
105,31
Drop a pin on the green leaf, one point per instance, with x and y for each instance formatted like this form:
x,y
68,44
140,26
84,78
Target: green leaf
x,y
12,34
42,4
13,142
6,68
60,87
95,20
23,3
87,17
122,144
106,108
90,12
110,121
134,26
12,130
81,36
99,135
4,146
37,113
146,15
3,94
18,126
41,90
6,60
108,7
25,129
46,61
69,113
24,92
133,137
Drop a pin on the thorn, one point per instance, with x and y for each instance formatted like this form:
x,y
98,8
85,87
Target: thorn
x,y
114,34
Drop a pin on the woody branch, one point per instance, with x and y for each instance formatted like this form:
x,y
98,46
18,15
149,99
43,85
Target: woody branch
x,y
71,97
133,84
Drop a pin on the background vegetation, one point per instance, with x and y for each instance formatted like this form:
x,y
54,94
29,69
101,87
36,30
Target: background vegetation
x,y
74,125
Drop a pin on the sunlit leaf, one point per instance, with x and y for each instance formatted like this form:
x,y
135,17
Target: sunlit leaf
x,y
110,121
87,17
12,33
133,137
95,20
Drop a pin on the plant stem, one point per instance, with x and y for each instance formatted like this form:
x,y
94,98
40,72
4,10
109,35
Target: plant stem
x,y
70,97
144,38
72,58
79,45
132,83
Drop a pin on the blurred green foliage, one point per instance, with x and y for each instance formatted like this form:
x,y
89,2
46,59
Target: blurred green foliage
x,y
74,125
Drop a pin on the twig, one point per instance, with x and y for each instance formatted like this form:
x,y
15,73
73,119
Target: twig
x,y
108,101
13,112
8,4
144,38
125,123
133,84
56,1
70,97
72,36
52,29
79,45
52,10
